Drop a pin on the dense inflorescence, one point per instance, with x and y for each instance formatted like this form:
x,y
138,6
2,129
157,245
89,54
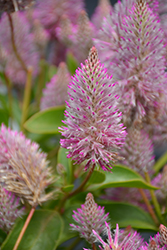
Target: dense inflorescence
x,y
94,130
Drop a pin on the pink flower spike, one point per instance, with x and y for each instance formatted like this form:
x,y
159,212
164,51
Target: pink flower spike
x,y
101,125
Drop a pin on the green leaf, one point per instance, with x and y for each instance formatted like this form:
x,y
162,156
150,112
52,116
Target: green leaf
x,y
72,63
43,232
52,71
46,121
127,214
4,117
68,219
96,177
66,162
160,162
68,188
122,176
2,236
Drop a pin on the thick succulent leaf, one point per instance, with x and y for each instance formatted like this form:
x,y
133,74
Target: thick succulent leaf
x,y
127,214
121,176
43,232
46,121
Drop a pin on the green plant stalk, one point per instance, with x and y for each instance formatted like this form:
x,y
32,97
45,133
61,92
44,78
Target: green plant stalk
x,y
149,207
14,44
10,97
76,191
26,100
24,228
160,163
154,200
41,83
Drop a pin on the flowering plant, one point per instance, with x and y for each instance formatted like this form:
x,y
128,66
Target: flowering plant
x,y
83,125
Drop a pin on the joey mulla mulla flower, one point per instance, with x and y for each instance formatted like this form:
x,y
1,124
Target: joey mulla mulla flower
x,y
24,169
93,131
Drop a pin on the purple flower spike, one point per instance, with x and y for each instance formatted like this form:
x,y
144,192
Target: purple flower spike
x,y
94,131
120,240
132,46
24,169
9,209
55,92
89,217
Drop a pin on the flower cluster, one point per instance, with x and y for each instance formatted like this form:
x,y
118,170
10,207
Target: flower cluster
x,y
94,130
23,167
89,217
55,92
9,209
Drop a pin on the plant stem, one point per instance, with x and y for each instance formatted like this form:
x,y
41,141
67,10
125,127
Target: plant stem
x,y
154,199
26,100
94,246
10,97
149,207
24,228
14,44
76,191
41,83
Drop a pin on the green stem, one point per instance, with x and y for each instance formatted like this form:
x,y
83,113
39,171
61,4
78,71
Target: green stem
x,y
76,191
26,100
10,97
154,200
41,83
149,207
14,44
24,228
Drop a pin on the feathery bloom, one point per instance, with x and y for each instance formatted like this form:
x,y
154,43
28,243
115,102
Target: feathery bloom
x,y
25,47
56,9
102,10
93,132
131,46
55,92
40,37
158,242
138,151
14,5
90,216
9,209
23,167
77,35
130,241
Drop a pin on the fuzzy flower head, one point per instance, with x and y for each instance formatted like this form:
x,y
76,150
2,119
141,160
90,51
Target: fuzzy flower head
x,y
102,10
94,130
158,242
55,92
76,35
120,240
90,216
23,167
56,9
9,209
131,45
138,151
